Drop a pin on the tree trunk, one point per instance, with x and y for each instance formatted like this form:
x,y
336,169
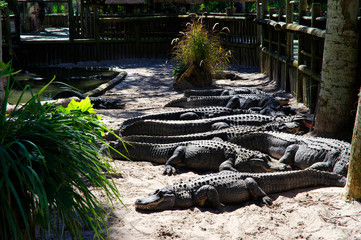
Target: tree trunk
x,y
353,185
339,70
1,37
1,59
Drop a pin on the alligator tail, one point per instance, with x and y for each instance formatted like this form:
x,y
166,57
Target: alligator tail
x,y
285,181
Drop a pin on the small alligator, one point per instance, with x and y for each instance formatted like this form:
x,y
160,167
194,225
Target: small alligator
x,y
225,134
228,188
222,91
203,155
98,102
263,103
182,127
300,151
188,114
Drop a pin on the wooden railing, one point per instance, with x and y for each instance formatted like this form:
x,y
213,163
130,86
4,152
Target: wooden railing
x,y
95,37
292,49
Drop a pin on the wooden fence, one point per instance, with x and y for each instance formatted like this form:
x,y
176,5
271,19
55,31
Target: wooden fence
x,y
95,37
292,48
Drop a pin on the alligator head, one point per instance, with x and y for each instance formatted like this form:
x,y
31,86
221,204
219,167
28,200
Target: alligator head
x,y
161,199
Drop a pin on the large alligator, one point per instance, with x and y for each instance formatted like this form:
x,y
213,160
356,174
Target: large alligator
x,y
222,91
225,134
263,103
188,114
300,151
203,155
182,127
234,188
98,102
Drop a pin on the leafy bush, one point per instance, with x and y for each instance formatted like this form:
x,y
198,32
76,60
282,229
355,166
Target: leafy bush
x,y
50,160
199,47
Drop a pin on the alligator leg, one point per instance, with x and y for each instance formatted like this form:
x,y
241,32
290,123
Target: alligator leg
x,y
189,116
289,155
256,191
233,102
219,125
321,166
176,158
227,165
207,193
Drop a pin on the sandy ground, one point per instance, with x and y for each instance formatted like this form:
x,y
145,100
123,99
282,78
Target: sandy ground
x,y
317,213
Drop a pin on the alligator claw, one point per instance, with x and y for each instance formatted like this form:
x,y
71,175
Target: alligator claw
x,y
267,200
169,170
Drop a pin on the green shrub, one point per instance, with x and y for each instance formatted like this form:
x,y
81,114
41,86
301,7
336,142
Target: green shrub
x,y
199,47
50,162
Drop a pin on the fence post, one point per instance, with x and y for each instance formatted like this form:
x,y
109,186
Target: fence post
x,y
137,39
9,40
289,46
96,33
71,30
264,8
71,20
259,15
279,49
300,83
302,10
313,92
260,34
315,12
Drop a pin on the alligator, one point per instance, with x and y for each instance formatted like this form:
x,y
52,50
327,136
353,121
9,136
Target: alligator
x,y
182,127
232,188
263,103
188,114
225,134
203,155
300,151
98,102
222,91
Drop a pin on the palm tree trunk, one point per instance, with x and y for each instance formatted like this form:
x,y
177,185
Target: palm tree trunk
x,y
353,185
1,59
1,37
338,93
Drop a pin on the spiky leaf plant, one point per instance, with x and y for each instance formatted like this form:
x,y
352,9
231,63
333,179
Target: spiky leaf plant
x,y
197,46
50,161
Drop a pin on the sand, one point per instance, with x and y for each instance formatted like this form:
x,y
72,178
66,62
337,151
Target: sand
x,y
311,213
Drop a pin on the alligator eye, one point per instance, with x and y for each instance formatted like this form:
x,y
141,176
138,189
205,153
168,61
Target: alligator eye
x,y
156,192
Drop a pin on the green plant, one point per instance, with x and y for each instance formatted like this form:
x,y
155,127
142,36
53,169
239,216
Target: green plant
x,y
199,47
62,8
55,8
50,162
277,4
3,5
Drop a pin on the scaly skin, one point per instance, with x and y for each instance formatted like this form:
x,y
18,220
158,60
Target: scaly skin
x,y
300,151
222,91
241,101
234,188
203,155
188,114
225,134
182,127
